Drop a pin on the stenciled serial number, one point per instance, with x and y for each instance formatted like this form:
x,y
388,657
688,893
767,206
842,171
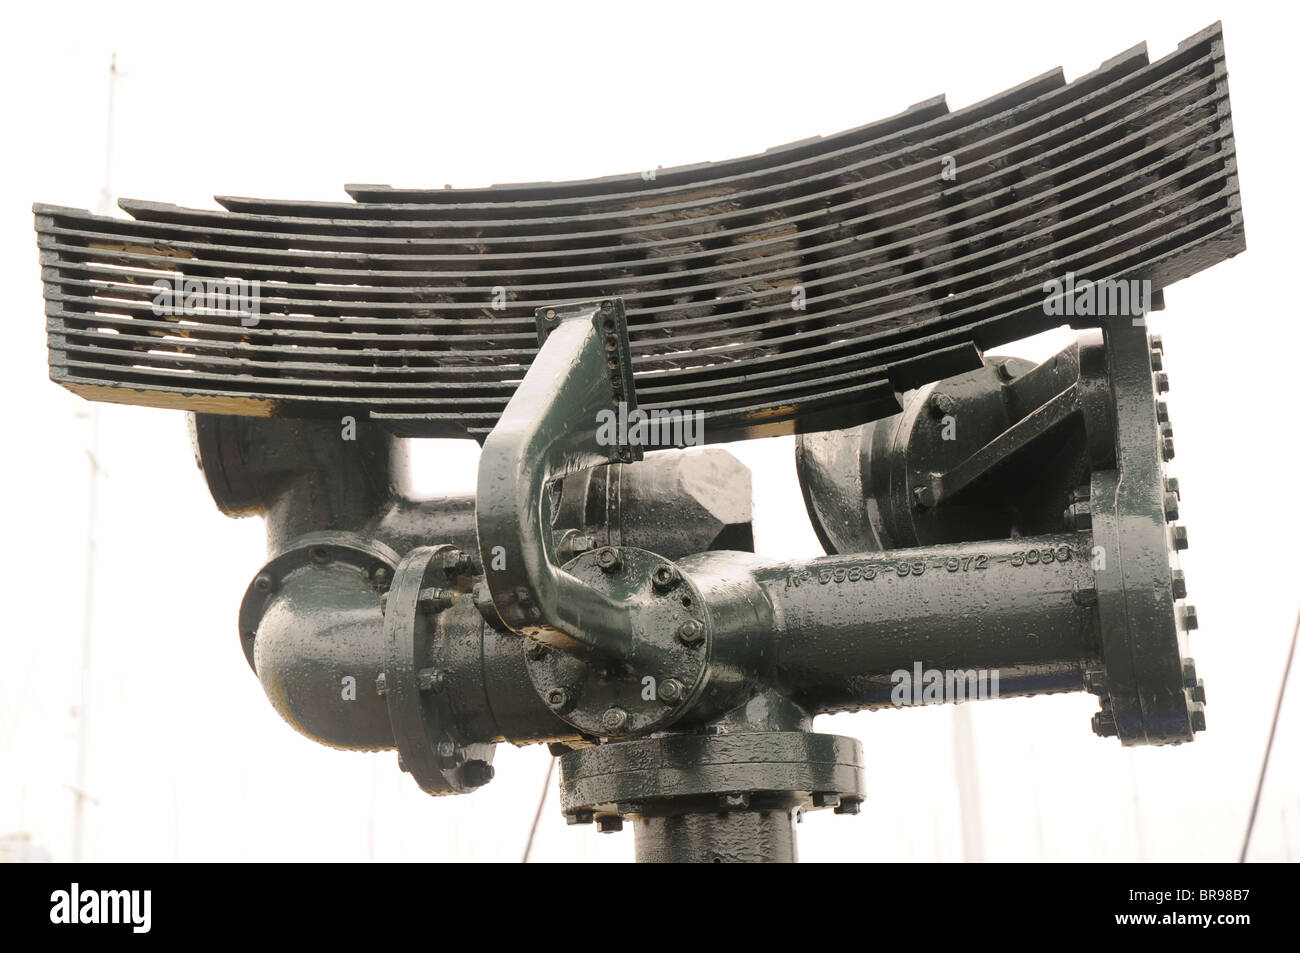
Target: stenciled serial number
x,y
904,568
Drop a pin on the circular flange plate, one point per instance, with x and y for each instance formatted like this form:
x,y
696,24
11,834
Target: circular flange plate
x,y
666,670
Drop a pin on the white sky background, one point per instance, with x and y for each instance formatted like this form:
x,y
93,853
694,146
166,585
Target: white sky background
x,y
187,758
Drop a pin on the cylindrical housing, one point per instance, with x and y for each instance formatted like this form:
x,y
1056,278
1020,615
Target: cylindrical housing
x,y
1021,608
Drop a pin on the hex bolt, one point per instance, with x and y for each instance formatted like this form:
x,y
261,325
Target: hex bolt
x,y
665,577
450,754
942,405
1162,412
1157,361
1189,672
433,600
923,496
1190,622
1171,486
614,719
1157,343
690,632
1094,681
557,699
609,823
1198,719
581,544
608,560
475,774
380,576
264,582
1004,372
579,817
825,799
1085,596
671,691
1179,584
1078,516
1167,448
1162,383
849,805
1103,724
1180,537
735,802
1171,507
1197,691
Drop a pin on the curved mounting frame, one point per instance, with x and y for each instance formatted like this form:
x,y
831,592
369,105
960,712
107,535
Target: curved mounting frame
x,y
549,429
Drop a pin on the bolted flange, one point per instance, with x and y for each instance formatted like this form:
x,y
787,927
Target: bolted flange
x,y
668,663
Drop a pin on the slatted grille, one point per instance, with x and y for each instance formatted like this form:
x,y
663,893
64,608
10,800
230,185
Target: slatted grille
x,y
415,307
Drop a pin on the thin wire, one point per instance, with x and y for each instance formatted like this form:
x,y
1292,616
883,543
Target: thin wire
x,y
1277,714
541,803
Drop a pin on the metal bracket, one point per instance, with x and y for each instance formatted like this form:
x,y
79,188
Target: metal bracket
x,y
552,427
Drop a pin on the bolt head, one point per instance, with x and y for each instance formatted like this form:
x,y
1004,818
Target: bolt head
x,y
579,817
1190,622
614,719
476,773
1179,581
557,699
264,582
1162,382
690,632
1162,412
671,691
825,799
1198,719
923,496
1103,724
942,405
1179,536
849,805
665,577
608,559
1078,515
609,823
1094,681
